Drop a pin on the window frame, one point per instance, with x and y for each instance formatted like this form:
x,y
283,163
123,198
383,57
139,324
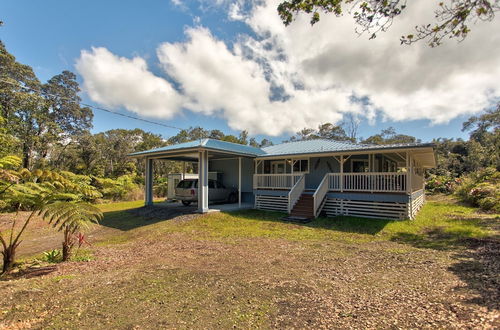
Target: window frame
x,y
298,160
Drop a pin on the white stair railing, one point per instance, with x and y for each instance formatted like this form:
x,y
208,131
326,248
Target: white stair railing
x,y
320,194
295,193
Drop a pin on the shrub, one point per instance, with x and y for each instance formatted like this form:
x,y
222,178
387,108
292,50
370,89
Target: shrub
x,y
482,189
442,184
120,188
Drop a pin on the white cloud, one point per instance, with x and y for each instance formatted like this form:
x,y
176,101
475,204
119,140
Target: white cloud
x,y
116,81
287,78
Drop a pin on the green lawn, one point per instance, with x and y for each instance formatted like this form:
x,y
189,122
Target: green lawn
x,y
441,222
249,269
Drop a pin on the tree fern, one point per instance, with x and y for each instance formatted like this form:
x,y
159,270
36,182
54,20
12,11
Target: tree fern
x,y
70,218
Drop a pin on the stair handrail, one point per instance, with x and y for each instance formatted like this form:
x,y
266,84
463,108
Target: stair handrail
x,y
319,194
295,193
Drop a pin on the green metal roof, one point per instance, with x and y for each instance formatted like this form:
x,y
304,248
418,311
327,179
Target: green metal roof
x,y
283,149
328,146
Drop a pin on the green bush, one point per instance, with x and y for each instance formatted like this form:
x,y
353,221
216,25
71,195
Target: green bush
x,y
161,188
121,188
442,184
482,189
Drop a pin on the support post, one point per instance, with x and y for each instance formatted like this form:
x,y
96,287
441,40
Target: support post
x,y
148,184
203,181
341,173
183,170
239,182
409,173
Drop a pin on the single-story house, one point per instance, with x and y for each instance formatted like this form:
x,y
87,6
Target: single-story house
x,y
306,178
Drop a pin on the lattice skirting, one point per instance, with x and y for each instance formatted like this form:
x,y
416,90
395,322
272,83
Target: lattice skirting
x,y
366,209
416,203
273,203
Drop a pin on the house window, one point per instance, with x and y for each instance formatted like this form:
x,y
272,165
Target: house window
x,y
301,166
359,165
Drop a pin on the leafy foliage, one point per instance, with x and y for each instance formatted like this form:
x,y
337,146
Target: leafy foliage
x,y
482,189
373,16
71,217
52,256
441,184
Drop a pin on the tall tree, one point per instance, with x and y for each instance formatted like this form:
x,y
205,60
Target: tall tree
x,y
452,19
39,115
389,136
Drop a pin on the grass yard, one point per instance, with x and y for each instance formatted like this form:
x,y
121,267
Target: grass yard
x,y
248,269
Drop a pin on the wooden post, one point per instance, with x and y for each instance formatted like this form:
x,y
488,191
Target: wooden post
x,y
148,184
239,182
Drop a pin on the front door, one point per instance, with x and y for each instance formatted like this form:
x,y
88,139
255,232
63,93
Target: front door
x,y
278,167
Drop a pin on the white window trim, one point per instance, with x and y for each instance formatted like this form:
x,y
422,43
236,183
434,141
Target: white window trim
x,y
308,165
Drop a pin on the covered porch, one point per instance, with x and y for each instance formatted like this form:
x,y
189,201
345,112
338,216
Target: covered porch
x,y
375,172
369,177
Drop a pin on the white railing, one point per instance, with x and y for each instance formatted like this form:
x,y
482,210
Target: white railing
x,y
275,181
371,182
320,194
296,191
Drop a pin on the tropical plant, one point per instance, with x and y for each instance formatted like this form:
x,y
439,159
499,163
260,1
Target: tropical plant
x,y
52,256
33,191
70,218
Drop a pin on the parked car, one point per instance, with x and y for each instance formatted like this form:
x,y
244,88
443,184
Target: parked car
x,y
187,192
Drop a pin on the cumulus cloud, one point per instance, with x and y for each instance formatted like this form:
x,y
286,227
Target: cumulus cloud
x,y
120,82
282,79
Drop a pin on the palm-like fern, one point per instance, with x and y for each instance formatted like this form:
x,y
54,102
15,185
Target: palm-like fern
x,y
71,217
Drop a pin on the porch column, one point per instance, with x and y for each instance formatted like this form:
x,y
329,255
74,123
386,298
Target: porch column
x,y
341,173
148,184
239,182
183,170
203,181
409,172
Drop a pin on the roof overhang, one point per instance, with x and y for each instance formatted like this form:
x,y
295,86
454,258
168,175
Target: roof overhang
x,y
424,154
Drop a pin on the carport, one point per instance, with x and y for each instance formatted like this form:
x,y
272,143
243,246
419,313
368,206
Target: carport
x,y
234,160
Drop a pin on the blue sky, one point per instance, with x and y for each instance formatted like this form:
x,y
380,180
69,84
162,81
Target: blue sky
x,y
50,36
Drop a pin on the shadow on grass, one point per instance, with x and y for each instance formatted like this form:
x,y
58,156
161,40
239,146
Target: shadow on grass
x,y
29,272
477,260
143,216
339,223
479,267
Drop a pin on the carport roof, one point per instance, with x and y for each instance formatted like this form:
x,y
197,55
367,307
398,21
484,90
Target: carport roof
x,y
210,144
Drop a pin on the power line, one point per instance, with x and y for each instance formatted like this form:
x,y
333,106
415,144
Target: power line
x,y
95,107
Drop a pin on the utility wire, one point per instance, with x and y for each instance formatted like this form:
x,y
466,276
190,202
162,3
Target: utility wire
x,y
94,107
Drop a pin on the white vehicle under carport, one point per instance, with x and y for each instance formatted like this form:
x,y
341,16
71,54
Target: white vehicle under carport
x,y
187,192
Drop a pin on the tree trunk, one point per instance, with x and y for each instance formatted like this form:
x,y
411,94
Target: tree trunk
x,y
26,156
66,250
67,245
9,255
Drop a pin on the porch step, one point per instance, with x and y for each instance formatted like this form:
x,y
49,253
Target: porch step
x,y
304,208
